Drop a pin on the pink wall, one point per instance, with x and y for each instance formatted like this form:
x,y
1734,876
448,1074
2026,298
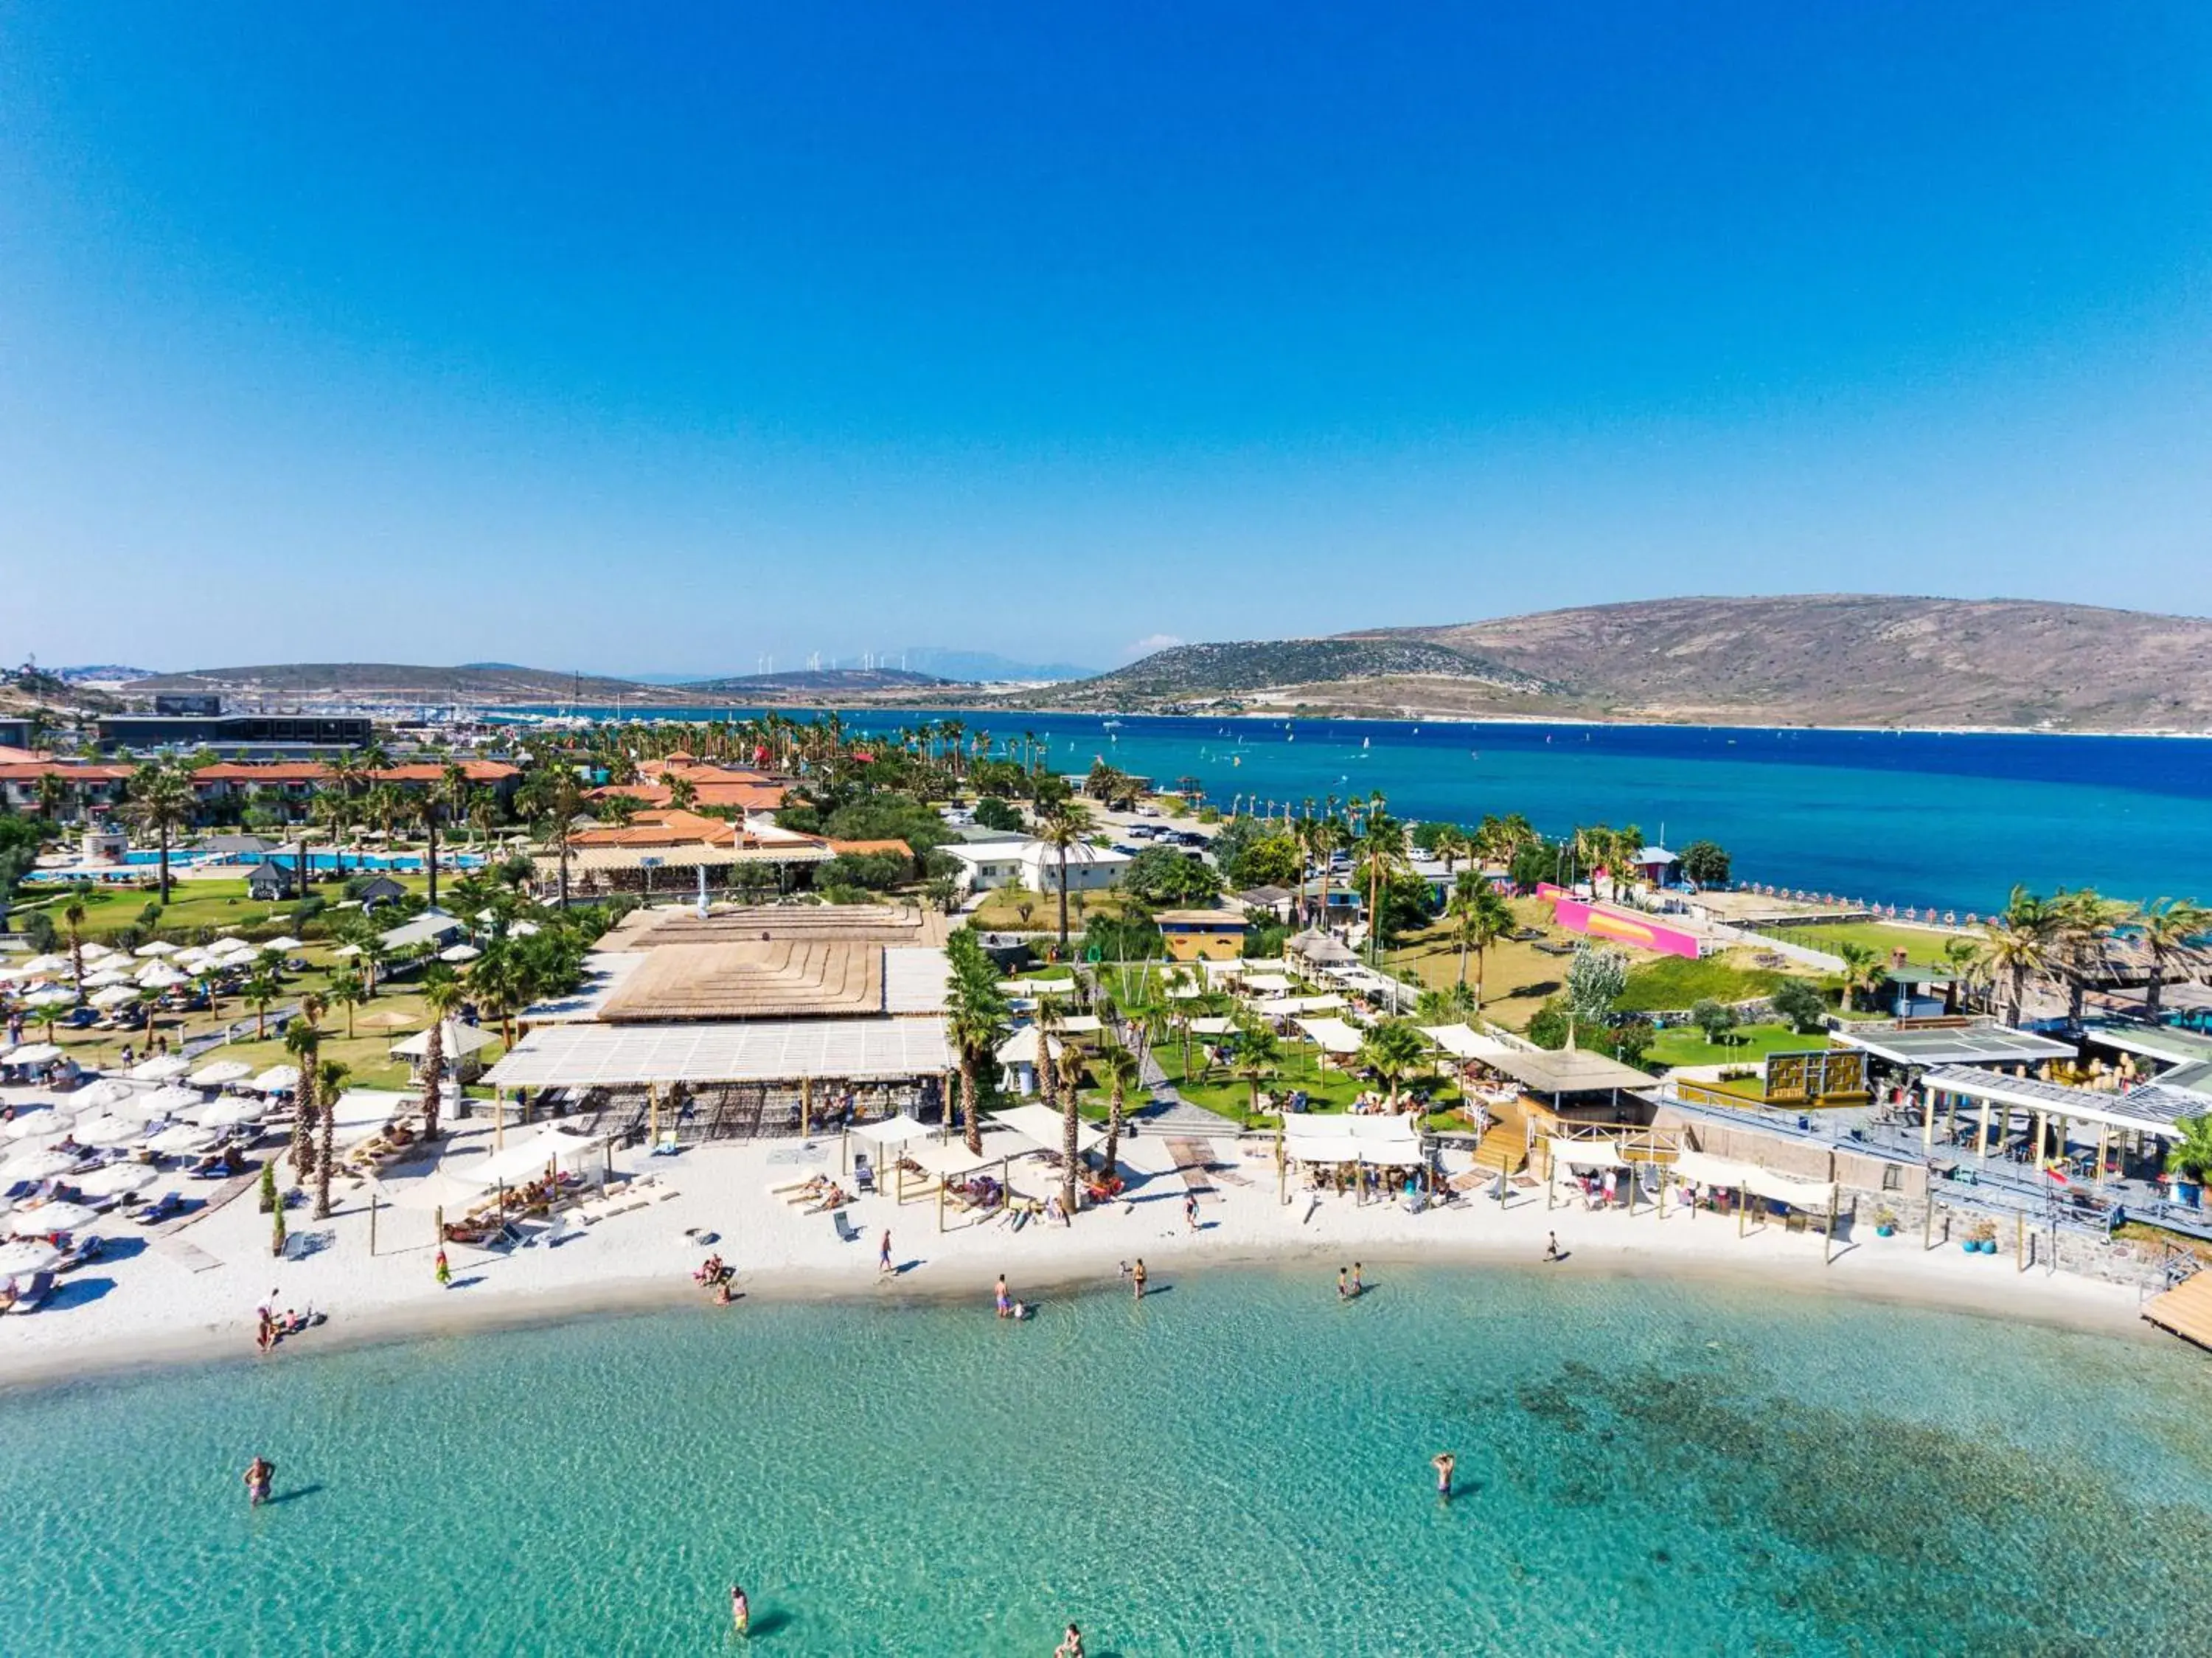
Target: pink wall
x,y
1616,926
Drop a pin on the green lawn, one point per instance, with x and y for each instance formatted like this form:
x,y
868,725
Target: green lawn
x,y
1748,1044
1678,982
1922,948
193,905
1230,1095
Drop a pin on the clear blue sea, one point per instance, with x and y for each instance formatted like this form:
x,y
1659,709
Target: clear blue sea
x,y
1241,1465
1916,819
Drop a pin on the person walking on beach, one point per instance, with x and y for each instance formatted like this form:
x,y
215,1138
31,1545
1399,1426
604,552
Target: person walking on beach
x,y
1137,1277
1444,1462
260,1475
741,1612
1190,1210
443,1269
1551,1246
884,1252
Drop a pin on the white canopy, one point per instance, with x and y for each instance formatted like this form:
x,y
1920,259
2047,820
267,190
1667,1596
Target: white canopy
x,y
275,1080
893,1131
98,952
346,952
183,1140
158,946
460,952
165,1068
1021,1048
456,1040
1463,1041
525,1160
56,998
33,1053
949,1159
160,976
47,964
162,1102
229,1112
1290,1007
1706,1169
1586,1154
112,996
51,1217
1266,984
1046,1127
282,941
108,978
1378,1142
1212,1026
30,1125
107,1131
1334,1035
41,1165
1079,1024
96,1096
221,1071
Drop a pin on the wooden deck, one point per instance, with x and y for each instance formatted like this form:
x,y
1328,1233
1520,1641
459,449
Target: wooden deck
x,y
2185,1310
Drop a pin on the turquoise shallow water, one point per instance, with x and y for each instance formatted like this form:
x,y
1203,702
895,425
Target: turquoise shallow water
x,y
1239,1466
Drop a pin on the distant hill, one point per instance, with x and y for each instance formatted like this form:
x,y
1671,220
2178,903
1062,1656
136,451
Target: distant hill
x,y
1821,659
815,682
484,682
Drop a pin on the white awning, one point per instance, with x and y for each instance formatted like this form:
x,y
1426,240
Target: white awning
x,y
1212,1026
893,1131
1266,984
1586,1154
1044,1126
527,1160
1290,1007
1334,1035
1798,1194
950,1159
748,1051
457,1039
1708,1170
1080,1024
1464,1041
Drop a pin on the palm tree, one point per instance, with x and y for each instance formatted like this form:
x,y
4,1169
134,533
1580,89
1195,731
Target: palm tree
x,y
441,994
73,915
348,990
1958,955
1060,825
1381,854
2085,925
2016,946
2190,1156
332,810
976,1021
1862,970
53,795
161,800
429,811
1479,917
1451,844
683,793
261,987
1123,1072
303,1040
1394,1050
1259,1059
329,1082
2169,929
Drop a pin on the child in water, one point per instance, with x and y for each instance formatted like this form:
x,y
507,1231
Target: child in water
x,y
741,1612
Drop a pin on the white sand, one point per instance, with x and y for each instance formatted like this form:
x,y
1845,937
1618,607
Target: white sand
x,y
155,1307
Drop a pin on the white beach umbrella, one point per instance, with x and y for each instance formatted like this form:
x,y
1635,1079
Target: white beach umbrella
x,y
162,976
460,952
48,964
11,973
158,946
100,951
282,941
20,1260
114,996
221,1071
165,1068
53,998
107,976
39,1165
99,1096
346,952
51,1217
108,1132
117,1179
182,1141
232,1111
275,1080
162,1102
33,1053
524,929
35,1125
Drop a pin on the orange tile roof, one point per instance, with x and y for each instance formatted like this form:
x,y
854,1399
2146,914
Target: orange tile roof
x,y
866,846
423,771
84,771
264,772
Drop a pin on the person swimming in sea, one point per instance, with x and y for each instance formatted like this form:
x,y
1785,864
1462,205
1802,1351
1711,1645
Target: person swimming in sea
x,y
1444,1462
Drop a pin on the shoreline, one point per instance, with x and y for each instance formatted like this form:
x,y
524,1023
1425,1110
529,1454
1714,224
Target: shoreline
x,y
2084,1306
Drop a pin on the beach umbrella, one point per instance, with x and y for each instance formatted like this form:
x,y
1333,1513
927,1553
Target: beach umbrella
x,y
34,1053
40,1164
158,946
53,998
99,1096
20,1260
460,952
232,1111
108,1132
162,976
277,1079
524,929
223,1071
114,996
162,1102
117,1179
9,972
166,1068
107,976
33,1124
100,951
46,964
283,942
345,952
182,1141
51,1217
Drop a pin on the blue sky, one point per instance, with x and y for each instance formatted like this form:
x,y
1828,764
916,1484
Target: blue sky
x,y
663,338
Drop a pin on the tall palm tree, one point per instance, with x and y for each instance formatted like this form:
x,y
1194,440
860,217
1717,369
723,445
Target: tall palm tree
x,y
261,987
1862,970
73,914
1479,917
53,795
348,990
977,1021
2170,930
1451,844
2085,927
553,796
441,994
1061,825
329,1082
161,800
1123,1072
2016,946
1380,854
303,1040
1394,1051
1259,1059
1958,955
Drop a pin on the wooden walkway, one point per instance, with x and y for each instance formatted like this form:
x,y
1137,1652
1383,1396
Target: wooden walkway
x,y
2185,1310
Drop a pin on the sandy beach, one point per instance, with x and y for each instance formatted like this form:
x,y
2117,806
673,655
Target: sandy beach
x,y
191,1294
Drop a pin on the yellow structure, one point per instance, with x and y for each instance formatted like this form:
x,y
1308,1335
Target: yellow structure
x,y
1203,935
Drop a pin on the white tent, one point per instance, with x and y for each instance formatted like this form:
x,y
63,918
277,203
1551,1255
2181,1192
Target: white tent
x,y
54,998
112,996
117,1179
1045,1127
1290,1007
1266,984
158,948
275,1080
1334,1035
1079,1024
20,1260
282,941
108,978
162,1102
221,1071
1021,1048
1463,1041
893,1131
345,952
1706,1169
525,1160
160,976
1586,1154
46,964
459,953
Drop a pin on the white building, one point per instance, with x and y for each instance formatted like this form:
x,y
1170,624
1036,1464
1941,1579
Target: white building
x,y
994,863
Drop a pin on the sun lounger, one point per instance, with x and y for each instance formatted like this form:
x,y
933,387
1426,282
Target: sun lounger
x,y
30,1291
167,1205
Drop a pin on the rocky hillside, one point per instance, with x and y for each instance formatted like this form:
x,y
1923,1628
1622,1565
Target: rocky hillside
x,y
1823,659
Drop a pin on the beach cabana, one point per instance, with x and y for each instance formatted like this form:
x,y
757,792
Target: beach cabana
x,y
948,1161
887,1135
1362,1143
1044,1126
1332,1036
1464,1042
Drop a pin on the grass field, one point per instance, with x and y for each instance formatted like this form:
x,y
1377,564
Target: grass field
x,y
1002,911
193,905
1922,948
1517,977
1686,1045
1675,981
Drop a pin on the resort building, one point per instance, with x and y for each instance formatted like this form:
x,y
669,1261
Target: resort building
x,y
701,784
69,788
1031,863
294,733
1203,935
625,857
